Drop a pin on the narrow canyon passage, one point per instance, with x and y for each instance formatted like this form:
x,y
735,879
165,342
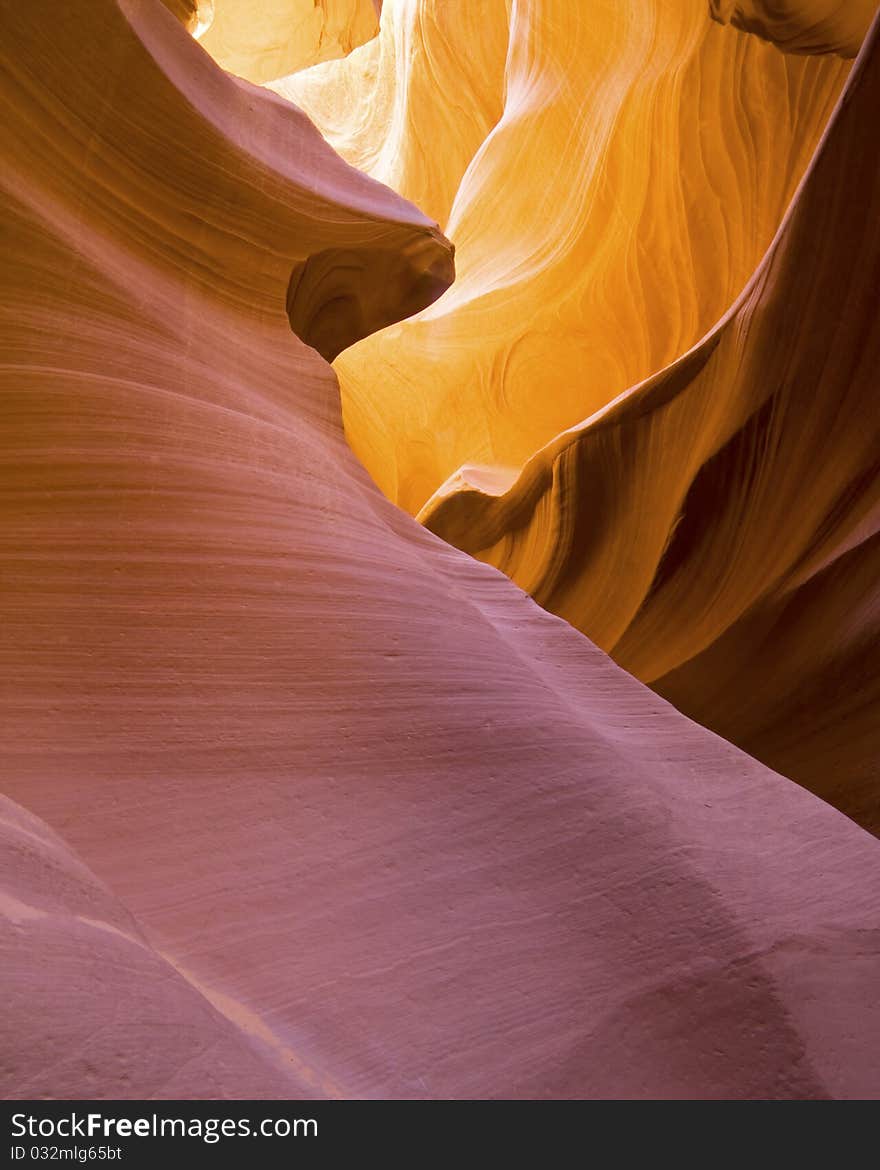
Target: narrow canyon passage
x,y
303,800
649,397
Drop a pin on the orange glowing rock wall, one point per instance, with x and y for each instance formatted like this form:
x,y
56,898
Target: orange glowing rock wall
x,y
636,168
414,105
597,407
265,39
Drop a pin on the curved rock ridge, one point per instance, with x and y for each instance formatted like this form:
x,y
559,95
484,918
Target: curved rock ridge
x,y
576,286
90,1009
413,106
341,293
801,26
186,11
265,39
640,166
413,834
715,528
253,181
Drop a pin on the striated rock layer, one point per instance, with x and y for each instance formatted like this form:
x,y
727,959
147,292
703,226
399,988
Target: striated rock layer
x,y
92,1010
671,463
635,163
350,802
715,527
265,39
413,106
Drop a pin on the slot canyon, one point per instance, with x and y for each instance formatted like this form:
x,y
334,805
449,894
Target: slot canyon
x,y
440,573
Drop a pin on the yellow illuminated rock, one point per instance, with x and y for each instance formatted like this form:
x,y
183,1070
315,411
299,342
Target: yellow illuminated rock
x,y
655,425
642,162
264,39
413,106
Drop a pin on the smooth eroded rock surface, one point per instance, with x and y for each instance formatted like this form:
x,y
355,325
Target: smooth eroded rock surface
x,y
376,823
644,398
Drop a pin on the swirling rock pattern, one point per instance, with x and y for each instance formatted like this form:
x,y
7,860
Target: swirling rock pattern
x,y
413,106
339,295
801,26
714,528
265,39
366,809
597,407
676,145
